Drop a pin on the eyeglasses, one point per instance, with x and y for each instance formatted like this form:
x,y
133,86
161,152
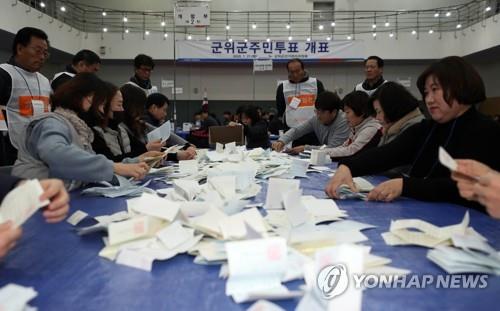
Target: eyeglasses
x,y
40,51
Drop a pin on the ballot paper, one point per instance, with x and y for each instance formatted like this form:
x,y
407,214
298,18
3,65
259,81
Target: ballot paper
x,y
194,208
295,210
174,235
298,168
188,166
15,297
256,268
230,147
76,217
446,160
208,223
454,260
319,157
22,202
134,228
125,189
236,226
188,189
224,185
160,133
219,148
135,259
339,262
363,188
264,305
244,172
275,188
152,205
322,210
428,235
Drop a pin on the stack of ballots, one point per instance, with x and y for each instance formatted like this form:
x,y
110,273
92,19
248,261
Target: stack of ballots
x,y
455,248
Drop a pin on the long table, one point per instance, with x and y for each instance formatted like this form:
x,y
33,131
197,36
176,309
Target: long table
x,y
68,274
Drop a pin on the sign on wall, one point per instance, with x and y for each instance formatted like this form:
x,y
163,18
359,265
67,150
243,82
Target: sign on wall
x,y
248,51
192,15
263,65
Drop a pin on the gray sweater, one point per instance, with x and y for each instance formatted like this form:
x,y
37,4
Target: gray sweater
x,y
52,150
332,135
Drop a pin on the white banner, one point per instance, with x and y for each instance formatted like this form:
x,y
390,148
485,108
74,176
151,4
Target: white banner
x,y
188,50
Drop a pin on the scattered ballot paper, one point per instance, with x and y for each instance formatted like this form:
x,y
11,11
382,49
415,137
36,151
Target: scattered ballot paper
x,y
428,235
256,268
152,205
188,167
470,253
15,297
22,202
76,217
275,188
160,133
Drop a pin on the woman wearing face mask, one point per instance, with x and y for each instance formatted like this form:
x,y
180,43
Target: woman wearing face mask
x,y
134,100
396,110
450,87
59,144
111,136
365,130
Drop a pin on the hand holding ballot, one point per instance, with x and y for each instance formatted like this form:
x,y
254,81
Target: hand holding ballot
x,y
22,202
484,188
475,181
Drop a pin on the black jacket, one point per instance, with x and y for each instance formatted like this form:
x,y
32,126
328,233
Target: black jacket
x,y
7,184
470,136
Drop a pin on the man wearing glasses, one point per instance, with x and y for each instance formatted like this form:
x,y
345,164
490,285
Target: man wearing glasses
x,y
143,65
24,92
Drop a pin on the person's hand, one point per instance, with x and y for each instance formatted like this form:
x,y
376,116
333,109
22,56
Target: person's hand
x,y
297,150
155,145
467,175
387,191
487,192
53,190
8,237
135,170
232,123
342,176
191,150
471,169
185,155
278,145
150,154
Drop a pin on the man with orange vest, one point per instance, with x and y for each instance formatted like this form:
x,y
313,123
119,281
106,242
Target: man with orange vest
x,y
24,92
296,96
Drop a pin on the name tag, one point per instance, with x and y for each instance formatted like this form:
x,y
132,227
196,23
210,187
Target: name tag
x,y
38,106
294,103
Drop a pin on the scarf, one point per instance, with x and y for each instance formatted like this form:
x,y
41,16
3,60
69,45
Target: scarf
x,y
84,132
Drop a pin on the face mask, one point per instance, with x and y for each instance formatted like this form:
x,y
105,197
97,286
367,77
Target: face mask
x,y
118,116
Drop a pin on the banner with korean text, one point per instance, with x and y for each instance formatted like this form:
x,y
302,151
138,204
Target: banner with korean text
x,y
188,50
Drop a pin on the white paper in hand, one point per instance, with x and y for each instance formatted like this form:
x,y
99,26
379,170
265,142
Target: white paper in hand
x,y
447,160
22,202
161,133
